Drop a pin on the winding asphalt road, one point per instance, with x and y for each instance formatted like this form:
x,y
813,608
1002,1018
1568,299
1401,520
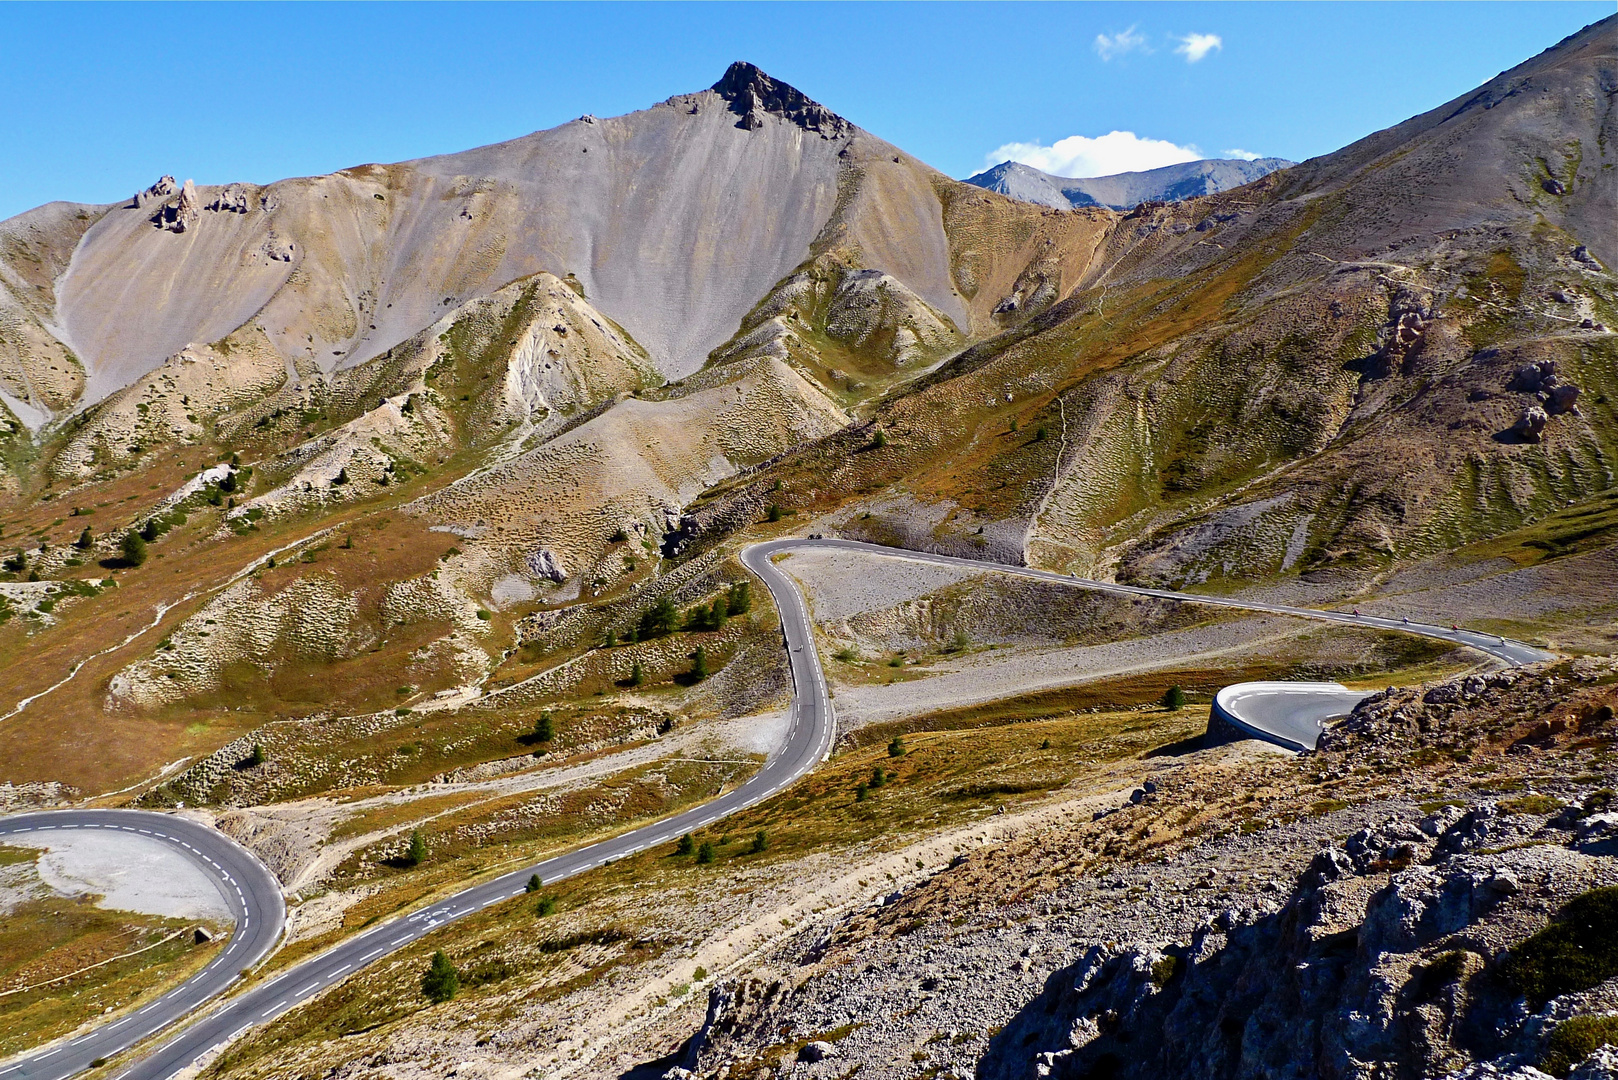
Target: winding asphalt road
x,y
250,890
256,897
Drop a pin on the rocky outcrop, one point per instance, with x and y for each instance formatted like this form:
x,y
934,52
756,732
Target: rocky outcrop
x,y
1405,333
278,248
1555,396
183,213
232,199
1535,377
752,93
546,564
1387,960
164,187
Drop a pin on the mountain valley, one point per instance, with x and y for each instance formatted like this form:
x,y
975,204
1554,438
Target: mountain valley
x,y
391,522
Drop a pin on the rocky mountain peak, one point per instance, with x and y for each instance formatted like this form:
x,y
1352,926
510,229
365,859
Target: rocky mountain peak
x,y
752,93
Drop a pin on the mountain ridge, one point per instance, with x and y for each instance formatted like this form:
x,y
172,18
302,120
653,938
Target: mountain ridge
x,y
1126,190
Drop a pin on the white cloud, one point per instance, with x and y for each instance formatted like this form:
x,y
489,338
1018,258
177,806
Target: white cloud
x,y
1245,155
1195,46
1124,41
1077,155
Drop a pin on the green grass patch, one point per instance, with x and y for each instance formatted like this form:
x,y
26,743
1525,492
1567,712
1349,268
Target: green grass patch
x,y
1575,952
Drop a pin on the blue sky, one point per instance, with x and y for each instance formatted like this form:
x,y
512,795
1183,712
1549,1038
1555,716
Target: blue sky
x,y
101,100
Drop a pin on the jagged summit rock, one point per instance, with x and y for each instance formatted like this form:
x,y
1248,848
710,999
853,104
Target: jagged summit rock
x,y
164,187
1124,191
183,213
752,93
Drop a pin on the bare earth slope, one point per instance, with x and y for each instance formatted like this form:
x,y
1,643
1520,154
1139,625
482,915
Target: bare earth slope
x,y
674,220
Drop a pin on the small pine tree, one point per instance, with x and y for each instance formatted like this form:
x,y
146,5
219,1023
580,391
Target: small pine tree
x,y
416,853
896,748
706,853
699,665
761,842
685,846
85,540
861,791
547,906
879,440
776,486
741,598
618,536
1013,423
659,619
348,542
774,513
636,675
1039,433
878,777
1046,745
544,728
256,758
719,612
442,981
609,640
696,618
150,531
1174,698
341,478
534,884
134,548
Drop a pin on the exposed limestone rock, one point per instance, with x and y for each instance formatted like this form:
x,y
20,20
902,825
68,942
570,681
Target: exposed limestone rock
x,y
233,199
183,213
278,248
546,564
164,187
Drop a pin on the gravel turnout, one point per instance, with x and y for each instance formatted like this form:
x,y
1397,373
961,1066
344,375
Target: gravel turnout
x,y
126,873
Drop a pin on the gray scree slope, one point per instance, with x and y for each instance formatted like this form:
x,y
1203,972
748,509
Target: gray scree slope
x,y
675,221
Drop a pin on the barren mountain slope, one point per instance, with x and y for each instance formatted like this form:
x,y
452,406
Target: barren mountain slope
x,y
674,220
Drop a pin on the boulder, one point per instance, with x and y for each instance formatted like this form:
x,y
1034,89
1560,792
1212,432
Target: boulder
x,y
1563,398
819,1050
1532,378
545,563
1530,424
1553,186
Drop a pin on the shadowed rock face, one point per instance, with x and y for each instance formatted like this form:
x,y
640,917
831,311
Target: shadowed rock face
x,y
750,91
